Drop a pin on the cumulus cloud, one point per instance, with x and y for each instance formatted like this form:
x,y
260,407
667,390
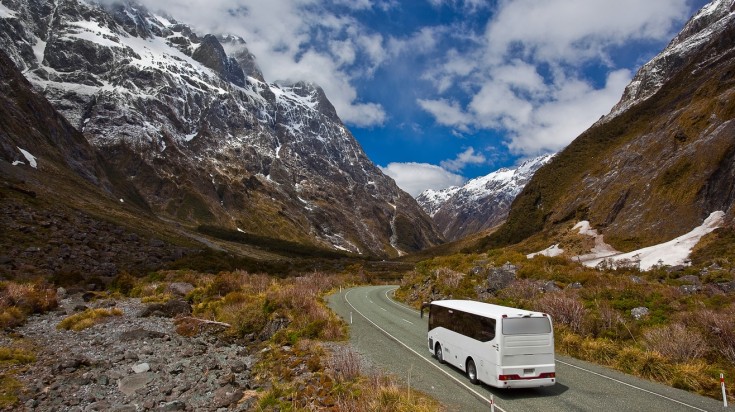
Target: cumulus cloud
x,y
468,157
524,75
446,112
574,30
414,178
298,40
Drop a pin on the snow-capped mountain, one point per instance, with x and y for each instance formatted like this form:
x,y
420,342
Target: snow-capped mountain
x,y
712,21
481,203
661,162
191,123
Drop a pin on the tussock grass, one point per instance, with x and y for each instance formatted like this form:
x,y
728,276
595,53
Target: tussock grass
x,y
87,319
19,300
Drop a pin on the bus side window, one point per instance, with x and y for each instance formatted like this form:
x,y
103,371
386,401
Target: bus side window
x,y
486,331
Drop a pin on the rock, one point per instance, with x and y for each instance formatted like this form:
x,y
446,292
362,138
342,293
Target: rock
x,y
689,289
226,396
132,383
575,285
179,288
550,286
140,334
727,287
172,406
499,278
272,327
639,312
637,280
690,279
60,293
141,367
169,309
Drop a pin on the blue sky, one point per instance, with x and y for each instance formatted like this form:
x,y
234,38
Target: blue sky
x,y
439,91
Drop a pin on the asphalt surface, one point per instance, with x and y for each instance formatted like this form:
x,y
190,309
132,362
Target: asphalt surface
x,y
393,337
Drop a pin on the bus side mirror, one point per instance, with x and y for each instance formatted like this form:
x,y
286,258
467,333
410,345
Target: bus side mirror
x,y
424,305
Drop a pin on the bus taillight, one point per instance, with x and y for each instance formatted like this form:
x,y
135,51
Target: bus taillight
x,y
508,377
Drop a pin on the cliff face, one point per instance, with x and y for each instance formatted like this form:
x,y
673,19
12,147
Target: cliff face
x,y
661,161
190,122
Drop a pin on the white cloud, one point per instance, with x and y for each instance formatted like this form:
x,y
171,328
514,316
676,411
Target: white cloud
x,y
463,159
524,77
573,30
298,40
575,108
448,113
414,178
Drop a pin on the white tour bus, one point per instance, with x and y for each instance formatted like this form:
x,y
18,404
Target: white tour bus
x,y
498,345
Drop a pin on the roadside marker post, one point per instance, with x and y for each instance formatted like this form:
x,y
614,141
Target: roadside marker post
x,y
724,393
492,403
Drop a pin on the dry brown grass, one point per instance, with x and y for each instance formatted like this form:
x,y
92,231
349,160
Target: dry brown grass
x,y
565,309
675,341
18,300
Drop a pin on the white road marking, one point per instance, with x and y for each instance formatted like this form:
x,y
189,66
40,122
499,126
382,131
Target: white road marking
x,y
477,394
383,309
631,385
407,321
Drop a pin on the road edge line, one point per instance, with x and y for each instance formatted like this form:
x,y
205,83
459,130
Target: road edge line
x,y
633,386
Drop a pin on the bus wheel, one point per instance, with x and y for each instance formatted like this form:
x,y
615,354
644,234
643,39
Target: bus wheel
x,y
472,371
438,353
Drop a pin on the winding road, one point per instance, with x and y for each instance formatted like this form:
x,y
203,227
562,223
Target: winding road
x,y
393,337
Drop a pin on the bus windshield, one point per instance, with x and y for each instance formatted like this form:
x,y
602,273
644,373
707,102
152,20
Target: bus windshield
x,y
526,326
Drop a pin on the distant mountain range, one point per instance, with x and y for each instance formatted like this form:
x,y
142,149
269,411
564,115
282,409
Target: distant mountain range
x,y
480,204
189,125
660,163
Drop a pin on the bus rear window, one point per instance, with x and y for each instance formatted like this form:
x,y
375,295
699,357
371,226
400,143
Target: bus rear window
x,y
526,326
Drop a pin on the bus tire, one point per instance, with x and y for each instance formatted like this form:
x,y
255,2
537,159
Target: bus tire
x,y
438,353
472,371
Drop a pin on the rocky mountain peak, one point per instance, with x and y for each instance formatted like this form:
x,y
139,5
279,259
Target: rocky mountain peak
x,y
190,122
211,54
481,203
712,21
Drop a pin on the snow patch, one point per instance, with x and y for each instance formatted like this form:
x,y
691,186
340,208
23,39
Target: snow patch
x,y
601,249
6,13
29,157
672,253
550,251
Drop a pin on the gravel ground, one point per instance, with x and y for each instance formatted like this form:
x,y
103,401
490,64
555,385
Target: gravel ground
x,y
130,363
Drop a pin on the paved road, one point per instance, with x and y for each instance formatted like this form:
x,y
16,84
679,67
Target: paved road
x,y
393,337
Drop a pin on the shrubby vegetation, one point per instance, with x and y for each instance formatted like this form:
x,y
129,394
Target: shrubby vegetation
x,y
688,332
303,365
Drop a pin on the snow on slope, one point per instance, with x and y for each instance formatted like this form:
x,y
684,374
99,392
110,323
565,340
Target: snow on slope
x,y
672,253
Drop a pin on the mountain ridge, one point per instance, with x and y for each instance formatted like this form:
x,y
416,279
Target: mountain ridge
x,y
201,135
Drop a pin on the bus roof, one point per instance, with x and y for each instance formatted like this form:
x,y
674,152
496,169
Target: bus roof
x,y
485,309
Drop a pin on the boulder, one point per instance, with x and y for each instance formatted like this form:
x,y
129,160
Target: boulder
x,y
179,288
639,312
170,309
